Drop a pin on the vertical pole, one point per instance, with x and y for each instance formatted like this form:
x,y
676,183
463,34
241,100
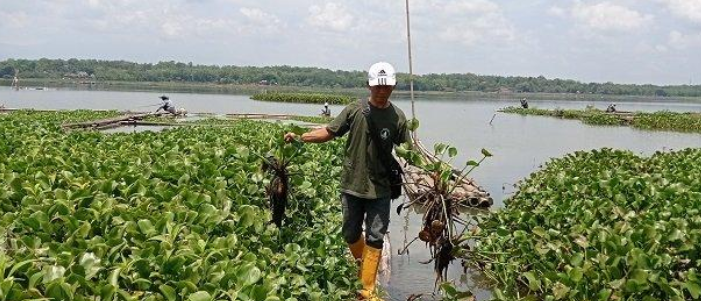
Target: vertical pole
x,y
411,68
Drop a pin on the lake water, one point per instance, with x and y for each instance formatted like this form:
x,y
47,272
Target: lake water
x,y
520,144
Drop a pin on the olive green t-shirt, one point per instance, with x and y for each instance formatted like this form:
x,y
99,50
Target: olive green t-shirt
x,y
363,175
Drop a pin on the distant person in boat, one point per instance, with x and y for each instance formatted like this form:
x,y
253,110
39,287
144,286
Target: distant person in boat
x,y
326,111
167,106
611,108
524,103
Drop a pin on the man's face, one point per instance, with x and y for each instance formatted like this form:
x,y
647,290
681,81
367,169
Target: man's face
x,y
382,92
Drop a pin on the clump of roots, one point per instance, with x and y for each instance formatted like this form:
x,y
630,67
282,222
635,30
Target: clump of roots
x,y
278,189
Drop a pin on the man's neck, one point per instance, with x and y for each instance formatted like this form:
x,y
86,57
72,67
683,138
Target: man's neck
x,y
379,103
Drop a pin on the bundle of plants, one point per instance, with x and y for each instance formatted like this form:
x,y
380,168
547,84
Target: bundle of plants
x,y
598,225
276,164
301,97
442,216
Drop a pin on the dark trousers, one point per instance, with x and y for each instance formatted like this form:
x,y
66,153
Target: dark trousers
x,y
375,213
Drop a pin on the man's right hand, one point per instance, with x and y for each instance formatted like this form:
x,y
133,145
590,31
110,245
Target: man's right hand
x,y
289,137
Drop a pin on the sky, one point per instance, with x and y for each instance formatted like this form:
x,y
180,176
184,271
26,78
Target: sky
x,y
622,41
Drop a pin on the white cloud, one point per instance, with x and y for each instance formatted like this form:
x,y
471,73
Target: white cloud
x,y
468,22
687,9
330,16
259,21
678,40
258,16
471,7
557,11
13,20
606,16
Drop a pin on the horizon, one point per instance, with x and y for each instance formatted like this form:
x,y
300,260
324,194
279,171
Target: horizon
x,y
623,41
295,66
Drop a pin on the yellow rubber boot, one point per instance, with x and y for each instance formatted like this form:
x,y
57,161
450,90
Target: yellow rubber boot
x,y
356,249
368,277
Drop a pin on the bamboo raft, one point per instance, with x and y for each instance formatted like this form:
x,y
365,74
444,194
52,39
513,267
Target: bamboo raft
x,y
417,183
108,123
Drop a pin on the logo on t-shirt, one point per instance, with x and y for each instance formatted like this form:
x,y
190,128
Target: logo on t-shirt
x,y
384,134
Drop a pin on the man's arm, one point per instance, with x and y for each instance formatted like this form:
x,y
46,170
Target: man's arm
x,y
319,135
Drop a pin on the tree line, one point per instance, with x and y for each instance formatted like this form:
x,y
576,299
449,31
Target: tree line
x,y
102,70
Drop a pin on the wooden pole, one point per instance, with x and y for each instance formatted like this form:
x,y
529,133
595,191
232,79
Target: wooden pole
x,y
411,68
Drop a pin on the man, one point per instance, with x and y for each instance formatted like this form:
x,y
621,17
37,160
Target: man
x,y
365,188
167,105
524,103
326,111
611,108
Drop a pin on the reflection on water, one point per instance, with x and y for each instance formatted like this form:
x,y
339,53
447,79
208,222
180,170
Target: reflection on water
x,y
520,144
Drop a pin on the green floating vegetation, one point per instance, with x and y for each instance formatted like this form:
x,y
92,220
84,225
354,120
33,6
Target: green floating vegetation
x,y
175,215
665,120
312,119
599,225
303,97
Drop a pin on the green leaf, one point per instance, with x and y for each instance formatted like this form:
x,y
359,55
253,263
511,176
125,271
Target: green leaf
x,y
539,231
168,292
576,274
486,153
533,281
413,124
107,292
604,294
200,296
146,227
114,277
247,215
439,148
249,274
560,291
693,288
452,152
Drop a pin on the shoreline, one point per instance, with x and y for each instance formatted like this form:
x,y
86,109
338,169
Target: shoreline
x,y
210,88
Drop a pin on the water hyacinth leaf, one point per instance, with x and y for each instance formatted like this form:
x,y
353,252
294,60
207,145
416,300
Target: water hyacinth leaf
x,y
54,272
693,288
200,296
249,274
247,215
560,291
539,231
486,153
439,148
452,151
413,124
604,294
533,281
472,163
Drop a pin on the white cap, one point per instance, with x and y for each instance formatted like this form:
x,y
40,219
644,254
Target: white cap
x,y
382,74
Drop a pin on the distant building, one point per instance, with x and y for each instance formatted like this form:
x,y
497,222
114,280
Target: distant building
x,y
264,82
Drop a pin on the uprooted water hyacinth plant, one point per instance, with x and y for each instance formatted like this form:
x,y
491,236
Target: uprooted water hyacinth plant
x,y
441,219
276,163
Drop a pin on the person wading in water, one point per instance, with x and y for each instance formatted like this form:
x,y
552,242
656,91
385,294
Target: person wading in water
x,y
365,182
167,106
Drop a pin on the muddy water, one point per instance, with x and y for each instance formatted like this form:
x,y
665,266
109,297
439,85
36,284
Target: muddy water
x,y
520,144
